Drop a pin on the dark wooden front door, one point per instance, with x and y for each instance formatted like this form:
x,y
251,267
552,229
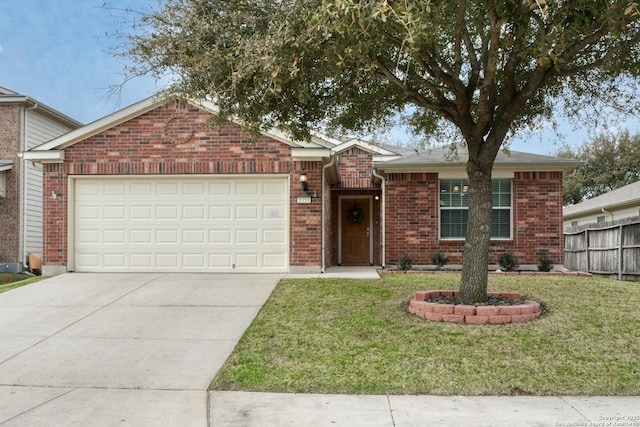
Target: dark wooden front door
x,y
356,232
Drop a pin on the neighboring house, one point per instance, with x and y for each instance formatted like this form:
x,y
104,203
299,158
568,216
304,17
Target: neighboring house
x,y
620,203
156,187
24,123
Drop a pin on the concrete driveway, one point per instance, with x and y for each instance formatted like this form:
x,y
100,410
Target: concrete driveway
x,y
120,349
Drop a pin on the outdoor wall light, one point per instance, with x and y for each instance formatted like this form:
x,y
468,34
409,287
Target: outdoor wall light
x,y
303,180
304,186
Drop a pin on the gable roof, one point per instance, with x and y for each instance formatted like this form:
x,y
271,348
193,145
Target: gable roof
x,y
9,97
375,149
317,147
620,197
439,158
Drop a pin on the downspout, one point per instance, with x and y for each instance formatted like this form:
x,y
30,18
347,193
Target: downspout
x,y
322,244
22,243
382,217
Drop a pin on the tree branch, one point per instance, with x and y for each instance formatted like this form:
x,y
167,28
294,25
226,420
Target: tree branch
x,y
459,36
487,100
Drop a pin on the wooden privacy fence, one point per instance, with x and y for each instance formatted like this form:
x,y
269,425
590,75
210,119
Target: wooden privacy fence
x,y
610,249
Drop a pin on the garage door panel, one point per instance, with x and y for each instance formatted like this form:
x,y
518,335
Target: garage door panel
x,y
220,236
89,260
277,236
140,261
196,260
274,261
114,260
87,189
193,236
273,211
88,236
167,189
181,224
195,212
141,237
115,236
247,260
220,212
89,212
247,212
114,188
140,189
140,212
247,236
247,188
166,212
190,189
221,261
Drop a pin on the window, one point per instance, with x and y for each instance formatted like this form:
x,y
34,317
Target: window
x,y
601,219
574,223
454,208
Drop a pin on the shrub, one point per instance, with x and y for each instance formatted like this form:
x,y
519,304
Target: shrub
x,y
545,263
439,260
404,263
508,262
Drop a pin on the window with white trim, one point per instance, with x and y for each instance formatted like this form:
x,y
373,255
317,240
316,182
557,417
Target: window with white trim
x,y
454,208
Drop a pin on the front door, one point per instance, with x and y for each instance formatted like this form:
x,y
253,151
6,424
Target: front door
x,y
355,241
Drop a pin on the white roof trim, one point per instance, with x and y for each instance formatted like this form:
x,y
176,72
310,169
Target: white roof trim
x,y
50,156
310,154
366,146
4,166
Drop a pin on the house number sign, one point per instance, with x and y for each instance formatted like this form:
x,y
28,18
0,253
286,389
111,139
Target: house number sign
x,y
303,200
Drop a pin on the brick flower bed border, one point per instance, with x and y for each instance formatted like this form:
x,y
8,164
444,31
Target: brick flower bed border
x,y
471,314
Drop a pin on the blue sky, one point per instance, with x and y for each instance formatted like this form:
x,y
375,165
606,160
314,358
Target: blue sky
x,y
59,52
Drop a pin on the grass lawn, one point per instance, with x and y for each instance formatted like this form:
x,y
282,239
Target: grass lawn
x,y
10,281
355,336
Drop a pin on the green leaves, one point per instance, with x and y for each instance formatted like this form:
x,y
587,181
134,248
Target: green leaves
x,y
483,67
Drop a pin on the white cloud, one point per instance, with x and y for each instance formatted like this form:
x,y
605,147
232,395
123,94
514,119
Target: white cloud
x,y
1,49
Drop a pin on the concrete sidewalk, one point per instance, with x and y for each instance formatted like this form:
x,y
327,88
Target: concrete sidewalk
x,y
240,409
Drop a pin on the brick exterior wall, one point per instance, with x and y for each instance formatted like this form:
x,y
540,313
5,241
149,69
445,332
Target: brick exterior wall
x,y
537,217
412,218
10,204
354,167
413,215
179,139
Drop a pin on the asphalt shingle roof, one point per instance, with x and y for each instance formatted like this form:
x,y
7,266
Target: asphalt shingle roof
x,y
621,196
445,156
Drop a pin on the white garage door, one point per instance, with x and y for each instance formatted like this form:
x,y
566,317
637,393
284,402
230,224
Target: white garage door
x,y
180,224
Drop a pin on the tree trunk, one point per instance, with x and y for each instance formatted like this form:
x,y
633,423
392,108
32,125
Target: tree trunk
x,y
475,263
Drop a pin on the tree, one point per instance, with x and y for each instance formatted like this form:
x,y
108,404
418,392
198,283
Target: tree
x,y
485,68
611,161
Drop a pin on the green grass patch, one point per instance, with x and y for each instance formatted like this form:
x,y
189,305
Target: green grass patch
x,y
356,336
10,281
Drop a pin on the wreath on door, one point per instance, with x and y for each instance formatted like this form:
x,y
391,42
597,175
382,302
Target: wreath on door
x,y
355,214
